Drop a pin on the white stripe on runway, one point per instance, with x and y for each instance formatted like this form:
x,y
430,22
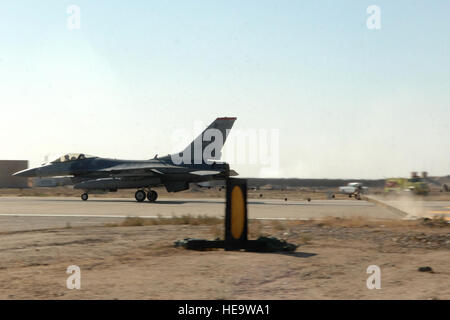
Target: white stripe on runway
x,y
123,217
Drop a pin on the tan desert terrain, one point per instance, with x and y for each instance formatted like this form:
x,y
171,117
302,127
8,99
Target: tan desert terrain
x,y
136,259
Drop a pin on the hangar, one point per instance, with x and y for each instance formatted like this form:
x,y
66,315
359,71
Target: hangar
x,y
7,168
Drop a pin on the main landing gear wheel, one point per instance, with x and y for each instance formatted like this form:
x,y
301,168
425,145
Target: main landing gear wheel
x,y
152,196
140,195
84,196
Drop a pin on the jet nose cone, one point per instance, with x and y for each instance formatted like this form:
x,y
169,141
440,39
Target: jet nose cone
x,y
26,173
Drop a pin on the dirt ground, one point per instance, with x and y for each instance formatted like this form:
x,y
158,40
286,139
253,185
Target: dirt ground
x,y
135,261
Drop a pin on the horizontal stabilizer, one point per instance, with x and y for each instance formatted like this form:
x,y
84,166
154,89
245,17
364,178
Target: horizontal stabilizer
x,y
233,173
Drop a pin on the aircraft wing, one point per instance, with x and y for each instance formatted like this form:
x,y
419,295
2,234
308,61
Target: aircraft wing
x,y
155,169
205,172
133,169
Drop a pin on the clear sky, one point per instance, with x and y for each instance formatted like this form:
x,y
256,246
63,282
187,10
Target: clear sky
x,y
347,101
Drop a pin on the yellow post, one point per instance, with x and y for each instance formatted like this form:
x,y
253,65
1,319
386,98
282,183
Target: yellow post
x,y
236,214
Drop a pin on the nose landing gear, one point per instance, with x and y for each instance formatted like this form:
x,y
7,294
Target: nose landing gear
x,y
84,197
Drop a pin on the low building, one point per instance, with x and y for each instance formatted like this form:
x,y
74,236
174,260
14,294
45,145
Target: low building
x,y
51,182
7,168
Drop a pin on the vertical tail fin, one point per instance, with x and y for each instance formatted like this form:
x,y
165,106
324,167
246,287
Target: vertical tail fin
x,y
208,145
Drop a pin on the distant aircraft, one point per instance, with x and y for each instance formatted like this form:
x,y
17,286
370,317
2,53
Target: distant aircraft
x,y
353,189
196,163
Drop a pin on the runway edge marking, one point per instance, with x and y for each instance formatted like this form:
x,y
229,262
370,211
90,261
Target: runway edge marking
x,y
120,216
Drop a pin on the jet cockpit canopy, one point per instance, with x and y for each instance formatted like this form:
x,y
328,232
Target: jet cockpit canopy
x,y
72,157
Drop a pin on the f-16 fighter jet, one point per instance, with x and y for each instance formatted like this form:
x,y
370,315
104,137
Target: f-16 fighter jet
x,y
198,162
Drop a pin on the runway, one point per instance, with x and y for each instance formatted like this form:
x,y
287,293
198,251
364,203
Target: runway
x,y
29,213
